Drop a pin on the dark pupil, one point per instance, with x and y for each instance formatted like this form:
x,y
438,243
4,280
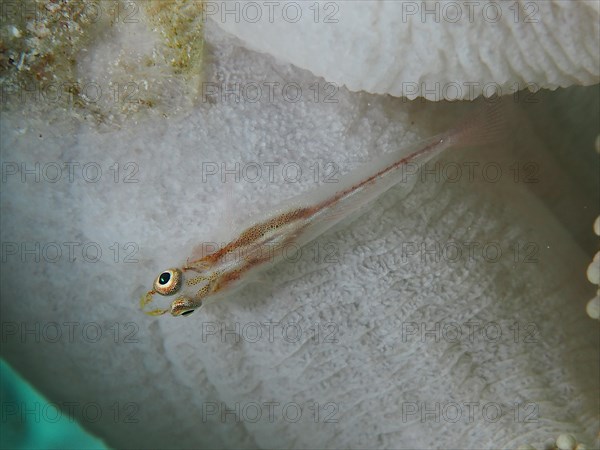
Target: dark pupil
x,y
187,313
164,278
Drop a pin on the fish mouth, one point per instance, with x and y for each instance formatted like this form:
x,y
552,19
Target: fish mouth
x,y
148,298
181,306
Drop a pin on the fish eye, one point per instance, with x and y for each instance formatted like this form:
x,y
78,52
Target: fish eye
x,y
168,282
183,306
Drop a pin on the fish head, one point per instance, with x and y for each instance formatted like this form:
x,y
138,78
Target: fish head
x,y
188,287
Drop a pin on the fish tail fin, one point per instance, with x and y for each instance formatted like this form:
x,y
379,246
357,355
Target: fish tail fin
x,y
489,124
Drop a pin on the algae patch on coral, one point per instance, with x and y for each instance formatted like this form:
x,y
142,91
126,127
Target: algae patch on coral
x,y
91,58
180,23
39,42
